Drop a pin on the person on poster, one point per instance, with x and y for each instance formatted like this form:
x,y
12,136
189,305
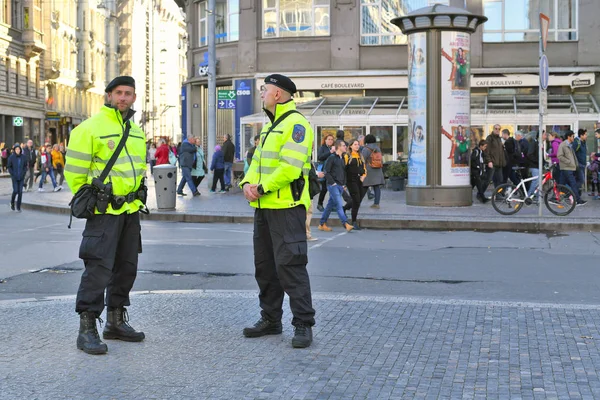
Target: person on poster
x,y
459,68
419,57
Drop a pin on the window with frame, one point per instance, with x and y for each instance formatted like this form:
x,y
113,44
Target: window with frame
x,y
375,16
227,21
518,20
295,18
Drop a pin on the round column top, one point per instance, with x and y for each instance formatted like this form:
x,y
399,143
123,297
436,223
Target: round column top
x,y
439,17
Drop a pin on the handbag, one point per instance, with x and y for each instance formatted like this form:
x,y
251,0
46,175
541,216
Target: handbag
x,y
83,203
172,158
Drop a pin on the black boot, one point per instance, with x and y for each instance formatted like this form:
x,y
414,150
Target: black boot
x,y
117,327
263,327
302,336
88,339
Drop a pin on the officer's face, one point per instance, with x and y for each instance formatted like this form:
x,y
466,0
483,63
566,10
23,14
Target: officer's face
x,y
270,95
122,97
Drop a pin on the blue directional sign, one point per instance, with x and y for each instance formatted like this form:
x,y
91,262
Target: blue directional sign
x,y
544,72
226,104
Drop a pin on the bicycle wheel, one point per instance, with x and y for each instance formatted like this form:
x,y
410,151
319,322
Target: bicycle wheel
x,y
507,199
560,200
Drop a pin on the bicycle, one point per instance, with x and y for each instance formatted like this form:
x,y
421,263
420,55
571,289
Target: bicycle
x,y
508,199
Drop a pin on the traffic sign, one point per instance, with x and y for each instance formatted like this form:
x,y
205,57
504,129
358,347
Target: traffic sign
x,y
544,72
17,121
226,95
227,104
544,25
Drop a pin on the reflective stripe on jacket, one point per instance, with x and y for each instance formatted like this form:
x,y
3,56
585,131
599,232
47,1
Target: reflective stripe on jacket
x,y
280,158
92,144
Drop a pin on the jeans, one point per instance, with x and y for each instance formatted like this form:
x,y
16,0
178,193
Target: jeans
x,y
17,192
377,193
186,173
28,178
227,175
50,173
568,177
497,176
580,176
533,184
335,200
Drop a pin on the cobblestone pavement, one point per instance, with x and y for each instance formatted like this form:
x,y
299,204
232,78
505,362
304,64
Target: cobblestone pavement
x,y
365,348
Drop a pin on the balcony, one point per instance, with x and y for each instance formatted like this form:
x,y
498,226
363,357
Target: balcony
x,y
86,80
53,70
33,42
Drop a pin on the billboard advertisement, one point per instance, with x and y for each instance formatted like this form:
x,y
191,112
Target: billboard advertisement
x,y
456,109
417,109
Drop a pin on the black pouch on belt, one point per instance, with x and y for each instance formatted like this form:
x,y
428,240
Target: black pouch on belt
x,y
297,187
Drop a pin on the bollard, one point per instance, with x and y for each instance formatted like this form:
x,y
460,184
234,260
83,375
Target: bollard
x,y
165,184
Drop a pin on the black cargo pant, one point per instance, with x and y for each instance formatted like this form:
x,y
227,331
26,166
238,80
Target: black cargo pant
x,y
109,250
280,258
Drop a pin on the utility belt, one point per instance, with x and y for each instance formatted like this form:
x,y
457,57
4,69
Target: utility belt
x,y
106,197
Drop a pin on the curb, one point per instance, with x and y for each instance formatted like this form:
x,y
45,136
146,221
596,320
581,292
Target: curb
x,y
370,223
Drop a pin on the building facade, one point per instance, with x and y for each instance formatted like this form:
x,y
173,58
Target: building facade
x,y
152,49
79,58
21,91
350,64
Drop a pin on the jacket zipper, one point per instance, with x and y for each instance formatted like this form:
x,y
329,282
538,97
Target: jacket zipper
x,y
128,155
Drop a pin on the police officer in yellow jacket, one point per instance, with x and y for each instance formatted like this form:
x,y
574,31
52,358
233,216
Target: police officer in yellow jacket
x,y
111,239
277,186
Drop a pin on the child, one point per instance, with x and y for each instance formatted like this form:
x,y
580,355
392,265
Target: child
x,y
217,166
593,168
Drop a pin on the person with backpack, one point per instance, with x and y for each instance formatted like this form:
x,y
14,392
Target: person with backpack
x,y
374,163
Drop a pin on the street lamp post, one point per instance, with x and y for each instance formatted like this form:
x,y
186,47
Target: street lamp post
x,y
212,80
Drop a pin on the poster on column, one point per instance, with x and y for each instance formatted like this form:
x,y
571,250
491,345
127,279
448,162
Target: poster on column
x,y
417,107
456,109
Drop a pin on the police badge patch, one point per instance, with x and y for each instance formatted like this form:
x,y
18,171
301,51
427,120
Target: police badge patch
x,y
298,133
111,144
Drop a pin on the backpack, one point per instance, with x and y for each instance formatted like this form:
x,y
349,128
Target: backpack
x,y
5,153
375,159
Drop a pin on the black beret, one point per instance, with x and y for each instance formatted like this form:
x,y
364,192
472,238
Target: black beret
x,y
118,81
281,81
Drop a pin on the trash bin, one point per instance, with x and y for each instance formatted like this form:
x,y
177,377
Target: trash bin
x,y
165,184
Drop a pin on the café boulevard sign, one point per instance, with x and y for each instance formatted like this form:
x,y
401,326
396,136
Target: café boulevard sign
x,y
530,80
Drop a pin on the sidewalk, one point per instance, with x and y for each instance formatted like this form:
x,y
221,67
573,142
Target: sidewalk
x,y
365,347
393,214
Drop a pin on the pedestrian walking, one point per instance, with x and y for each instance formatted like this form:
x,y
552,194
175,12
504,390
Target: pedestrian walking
x,y
46,169
187,158
30,155
277,186
323,154
497,157
17,167
356,173
217,167
479,175
4,155
335,175
162,153
199,169
228,149
568,165
111,239
58,164
580,147
152,157
373,161
593,169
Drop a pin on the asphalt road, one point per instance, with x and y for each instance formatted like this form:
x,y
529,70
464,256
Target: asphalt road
x,y
39,258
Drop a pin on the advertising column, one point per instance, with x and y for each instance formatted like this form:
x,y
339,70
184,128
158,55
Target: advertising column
x,y
456,109
417,110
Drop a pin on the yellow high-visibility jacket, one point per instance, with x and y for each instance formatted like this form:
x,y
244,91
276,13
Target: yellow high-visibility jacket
x,y
92,144
280,158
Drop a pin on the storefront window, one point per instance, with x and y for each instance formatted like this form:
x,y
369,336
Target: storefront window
x,y
375,16
353,132
490,128
592,143
292,18
385,141
518,20
323,131
227,21
402,143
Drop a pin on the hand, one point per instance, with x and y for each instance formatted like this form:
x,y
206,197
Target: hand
x,y
332,150
490,165
47,169
320,174
250,192
362,178
254,190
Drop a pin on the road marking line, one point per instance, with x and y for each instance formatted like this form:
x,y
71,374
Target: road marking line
x,y
327,240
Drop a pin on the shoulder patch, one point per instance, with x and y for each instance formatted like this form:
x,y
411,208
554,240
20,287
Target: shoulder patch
x,y
299,133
